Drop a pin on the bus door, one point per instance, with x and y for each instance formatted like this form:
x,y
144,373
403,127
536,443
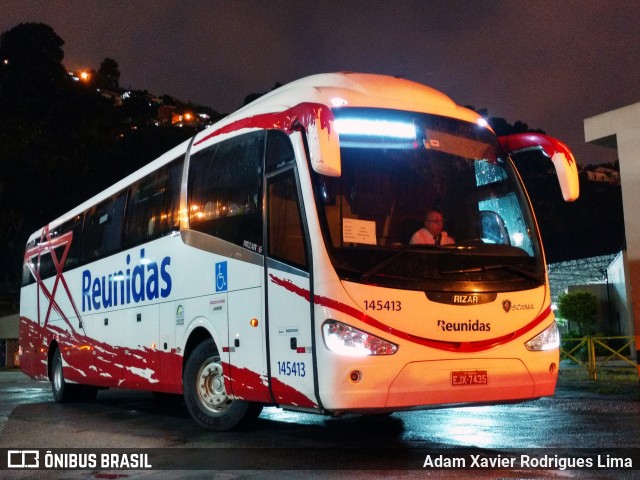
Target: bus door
x,y
288,285
247,361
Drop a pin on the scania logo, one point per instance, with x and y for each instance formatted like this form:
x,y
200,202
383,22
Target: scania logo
x,y
508,306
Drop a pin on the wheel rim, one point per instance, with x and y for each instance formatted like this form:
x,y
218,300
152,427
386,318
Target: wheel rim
x,y
210,387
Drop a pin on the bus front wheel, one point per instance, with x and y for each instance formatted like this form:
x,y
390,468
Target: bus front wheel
x,y
205,392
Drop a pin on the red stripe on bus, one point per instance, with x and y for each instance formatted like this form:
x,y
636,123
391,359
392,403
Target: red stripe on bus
x,y
465,347
142,367
303,114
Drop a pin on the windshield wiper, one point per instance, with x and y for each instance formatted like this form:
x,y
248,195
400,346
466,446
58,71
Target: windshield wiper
x,y
380,265
511,268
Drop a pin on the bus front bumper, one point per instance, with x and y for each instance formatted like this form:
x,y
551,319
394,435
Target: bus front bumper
x,y
469,381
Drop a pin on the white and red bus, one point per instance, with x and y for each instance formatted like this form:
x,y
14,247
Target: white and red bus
x,y
266,261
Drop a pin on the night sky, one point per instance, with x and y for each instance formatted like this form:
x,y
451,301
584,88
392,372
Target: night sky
x,y
549,64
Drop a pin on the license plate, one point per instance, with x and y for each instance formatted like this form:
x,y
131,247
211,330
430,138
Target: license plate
x,y
469,377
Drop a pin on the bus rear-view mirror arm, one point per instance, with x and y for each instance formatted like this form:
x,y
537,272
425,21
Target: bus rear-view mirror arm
x,y
562,158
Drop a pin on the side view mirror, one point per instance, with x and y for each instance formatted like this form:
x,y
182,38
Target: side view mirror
x,y
492,228
324,145
562,158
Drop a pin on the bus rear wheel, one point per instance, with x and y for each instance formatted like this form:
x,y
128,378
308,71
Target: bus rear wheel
x,y
64,392
206,396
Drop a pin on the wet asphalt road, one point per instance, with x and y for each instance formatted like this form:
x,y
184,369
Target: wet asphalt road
x,y
581,416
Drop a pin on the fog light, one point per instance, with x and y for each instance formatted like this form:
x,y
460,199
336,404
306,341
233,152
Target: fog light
x,y
355,376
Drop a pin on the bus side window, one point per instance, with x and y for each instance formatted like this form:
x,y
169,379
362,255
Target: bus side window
x,y
286,234
225,190
29,263
103,228
152,209
75,227
279,152
285,228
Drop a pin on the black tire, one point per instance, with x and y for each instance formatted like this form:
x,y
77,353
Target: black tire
x,y
63,392
205,394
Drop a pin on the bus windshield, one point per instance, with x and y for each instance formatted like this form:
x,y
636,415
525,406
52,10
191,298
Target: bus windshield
x,y
401,168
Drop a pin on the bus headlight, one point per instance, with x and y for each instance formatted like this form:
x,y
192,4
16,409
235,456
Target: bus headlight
x,y
347,340
548,339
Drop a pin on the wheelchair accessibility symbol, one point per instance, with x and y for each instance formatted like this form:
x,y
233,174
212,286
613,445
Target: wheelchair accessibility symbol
x,y
221,277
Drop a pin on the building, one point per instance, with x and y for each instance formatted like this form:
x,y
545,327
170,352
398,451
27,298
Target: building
x,y
9,341
620,129
604,175
606,278
618,295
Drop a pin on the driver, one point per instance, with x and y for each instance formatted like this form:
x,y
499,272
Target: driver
x,y
432,233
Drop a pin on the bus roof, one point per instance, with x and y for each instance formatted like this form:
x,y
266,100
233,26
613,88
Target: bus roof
x,y
348,89
335,90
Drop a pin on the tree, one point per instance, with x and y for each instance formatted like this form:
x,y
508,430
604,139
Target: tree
x,y
501,126
108,76
254,96
579,308
33,86
50,131
31,66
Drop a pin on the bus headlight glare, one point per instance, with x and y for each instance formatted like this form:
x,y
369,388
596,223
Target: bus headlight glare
x,y
347,340
548,339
